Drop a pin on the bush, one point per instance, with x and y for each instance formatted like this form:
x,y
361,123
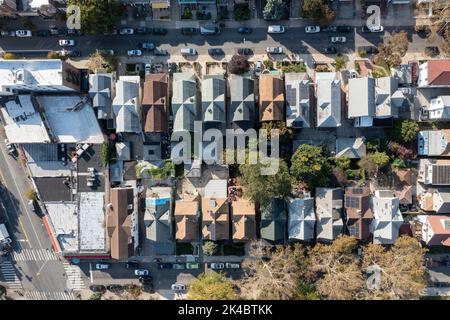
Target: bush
x,y
409,130
210,248
9,56
96,296
339,63
106,153
362,53
294,67
268,64
378,73
398,163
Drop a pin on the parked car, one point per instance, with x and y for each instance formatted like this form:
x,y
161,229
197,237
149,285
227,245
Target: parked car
x,y
376,29
141,272
230,265
329,29
338,39
244,51
209,30
102,266
147,45
178,287
189,31
164,266
159,31
188,52
66,43
275,29
192,265
114,287
10,147
216,52
126,31
142,31
274,50
344,29
312,29
329,50
6,33
32,206
148,68
23,33
160,52
134,53
97,288
217,266
258,68
245,30
131,265
179,266
105,52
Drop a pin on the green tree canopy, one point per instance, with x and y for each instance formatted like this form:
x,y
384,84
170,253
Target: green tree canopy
x,y
310,166
210,248
211,286
98,16
318,10
274,9
409,130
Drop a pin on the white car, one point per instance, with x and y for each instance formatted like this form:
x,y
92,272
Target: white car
x,y
178,287
274,50
312,29
126,31
141,272
258,68
275,29
102,266
376,29
217,266
23,33
66,43
338,39
132,53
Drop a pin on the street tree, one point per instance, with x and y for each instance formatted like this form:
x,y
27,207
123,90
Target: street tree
x,y
238,64
409,130
275,9
310,166
318,10
210,248
399,43
211,286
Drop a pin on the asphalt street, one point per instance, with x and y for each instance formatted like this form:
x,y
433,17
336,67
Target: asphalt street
x,y
294,40
33,259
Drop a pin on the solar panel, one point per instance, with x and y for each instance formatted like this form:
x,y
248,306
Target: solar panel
x,y
352,202
357,191
291,95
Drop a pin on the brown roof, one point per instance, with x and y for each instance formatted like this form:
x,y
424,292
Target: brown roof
x,y
439,72
359,212
119,222
154,103
271,98
215,221
186,219
244,224
404,194
403,176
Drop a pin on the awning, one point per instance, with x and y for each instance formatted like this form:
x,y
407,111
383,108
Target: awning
x,y
160,5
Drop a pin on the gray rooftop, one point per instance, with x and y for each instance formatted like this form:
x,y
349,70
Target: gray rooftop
x,y
299,93
329,205
213,99
302,219
328,100
184,88
242,106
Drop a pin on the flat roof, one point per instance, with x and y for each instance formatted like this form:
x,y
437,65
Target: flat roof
x,y
64,220
92,221
71,119
53,189
23,124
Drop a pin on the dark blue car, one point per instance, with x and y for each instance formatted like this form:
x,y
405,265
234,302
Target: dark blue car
x,y
244,30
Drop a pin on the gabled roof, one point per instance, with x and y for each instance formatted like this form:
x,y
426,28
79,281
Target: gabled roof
x,y
328,100
302,219
215,221
154,103
242,99
126,103
273,221
439,72
184,88
119,221
186,219
244,224
353,148
157,214
441,229
387,217
271,98
213,99
100,93
434,142
361,97
329,204
299,95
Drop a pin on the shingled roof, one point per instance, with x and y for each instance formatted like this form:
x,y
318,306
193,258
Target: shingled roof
x,y
271,98
154,103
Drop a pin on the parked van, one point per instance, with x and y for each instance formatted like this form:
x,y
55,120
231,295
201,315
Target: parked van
x,y
188,52
209,30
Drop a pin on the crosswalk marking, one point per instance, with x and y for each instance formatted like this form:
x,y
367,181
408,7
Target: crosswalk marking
x,y
10,276
41,295
34,255
74,278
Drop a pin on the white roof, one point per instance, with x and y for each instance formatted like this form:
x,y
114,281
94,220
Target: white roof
x,y
69,124
92,221
64,220
23,124
216,189
328,100
387,217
